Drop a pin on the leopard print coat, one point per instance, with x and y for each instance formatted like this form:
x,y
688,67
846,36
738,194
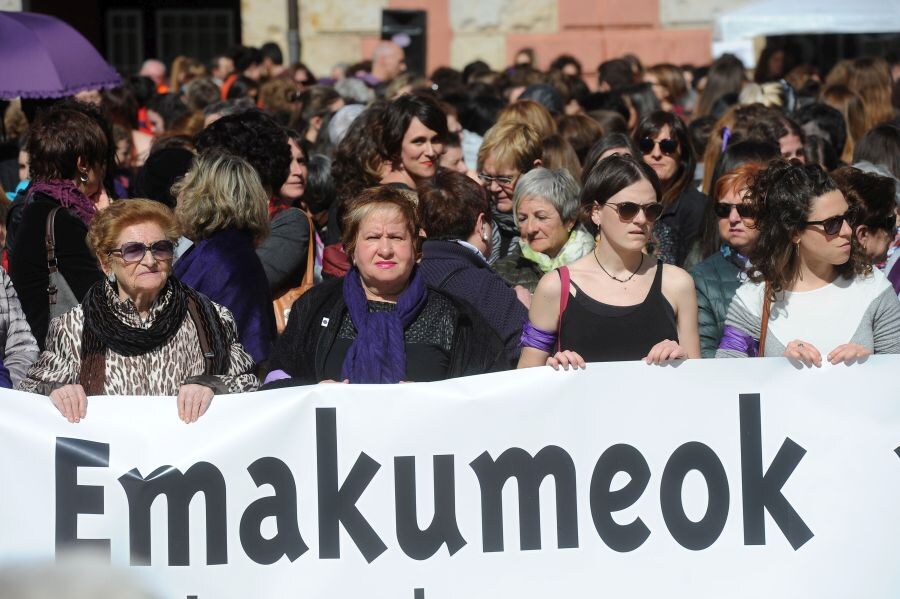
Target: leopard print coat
x,y
158,372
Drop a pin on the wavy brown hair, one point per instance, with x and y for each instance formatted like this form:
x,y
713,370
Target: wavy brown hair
x,y
784,193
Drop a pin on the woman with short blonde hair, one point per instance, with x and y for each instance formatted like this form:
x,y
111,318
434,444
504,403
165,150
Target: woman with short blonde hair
x,y
508,151
531,113
223,209
219,192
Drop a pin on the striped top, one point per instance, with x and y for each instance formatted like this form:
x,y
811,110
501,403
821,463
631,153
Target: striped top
x,y
863,310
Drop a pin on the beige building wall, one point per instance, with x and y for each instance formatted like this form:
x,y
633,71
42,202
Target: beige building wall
x,y
459,31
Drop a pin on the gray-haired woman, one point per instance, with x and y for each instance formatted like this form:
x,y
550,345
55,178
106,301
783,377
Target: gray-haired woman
x,y
545,204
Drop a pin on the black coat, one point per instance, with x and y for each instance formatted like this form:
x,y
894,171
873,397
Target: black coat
x,y
685,215
316,317
28,260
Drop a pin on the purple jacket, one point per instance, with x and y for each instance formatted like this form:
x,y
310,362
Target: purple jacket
x,y
226,269
460,272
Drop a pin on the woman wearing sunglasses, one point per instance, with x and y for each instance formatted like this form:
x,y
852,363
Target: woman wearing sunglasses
x,y
811,290
139,331
616,303
729,235
663,141
876,209
664,242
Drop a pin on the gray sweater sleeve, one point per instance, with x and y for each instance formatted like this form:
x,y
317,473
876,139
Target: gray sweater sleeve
x,y
885,310
283,253
20,349
745,320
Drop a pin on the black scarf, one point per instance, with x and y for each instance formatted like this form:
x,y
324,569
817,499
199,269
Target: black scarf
x,y
104,329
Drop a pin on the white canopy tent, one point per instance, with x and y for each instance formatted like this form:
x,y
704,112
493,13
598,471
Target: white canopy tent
x,y
735,30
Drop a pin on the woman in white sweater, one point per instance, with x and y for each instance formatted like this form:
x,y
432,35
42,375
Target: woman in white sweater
x,y
812,291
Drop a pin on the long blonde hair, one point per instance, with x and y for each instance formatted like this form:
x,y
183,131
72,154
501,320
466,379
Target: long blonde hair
x,y
853,109
871,79
221,191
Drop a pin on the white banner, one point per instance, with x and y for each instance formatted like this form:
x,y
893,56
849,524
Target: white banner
x,y
715,478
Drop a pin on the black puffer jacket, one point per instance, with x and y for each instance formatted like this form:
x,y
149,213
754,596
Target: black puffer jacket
x,y
315,320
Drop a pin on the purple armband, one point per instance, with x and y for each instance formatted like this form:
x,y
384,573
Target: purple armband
x,y
537,338
276,375
737,340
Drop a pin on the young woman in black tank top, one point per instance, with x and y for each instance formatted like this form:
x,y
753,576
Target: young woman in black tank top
x,y
616,303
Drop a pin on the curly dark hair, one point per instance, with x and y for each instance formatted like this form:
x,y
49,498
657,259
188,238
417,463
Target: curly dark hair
x,y
255,137
872,195
357,162
784,193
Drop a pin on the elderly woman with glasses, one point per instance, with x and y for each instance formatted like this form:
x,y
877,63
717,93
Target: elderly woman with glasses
x,y
616,303
811,289
140,331
509,150
545,205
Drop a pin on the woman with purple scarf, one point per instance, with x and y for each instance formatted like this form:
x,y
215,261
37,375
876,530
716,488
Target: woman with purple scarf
x,y
68,151
381,323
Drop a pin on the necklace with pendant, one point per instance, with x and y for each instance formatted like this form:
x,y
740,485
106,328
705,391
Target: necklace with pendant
x,y
615,278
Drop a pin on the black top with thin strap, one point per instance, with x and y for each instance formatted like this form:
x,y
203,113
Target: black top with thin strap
x,y
603,333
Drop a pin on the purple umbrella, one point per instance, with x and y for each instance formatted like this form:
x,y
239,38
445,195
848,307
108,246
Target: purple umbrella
x,y
43,57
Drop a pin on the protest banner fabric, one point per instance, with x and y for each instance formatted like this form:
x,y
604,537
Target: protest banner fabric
x,y
713,478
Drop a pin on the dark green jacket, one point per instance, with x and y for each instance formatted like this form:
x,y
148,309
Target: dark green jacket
x,y
516,269
716,279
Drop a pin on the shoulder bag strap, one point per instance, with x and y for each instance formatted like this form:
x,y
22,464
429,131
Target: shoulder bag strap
x,y
563,301
764,325
308,276
202,336
50,244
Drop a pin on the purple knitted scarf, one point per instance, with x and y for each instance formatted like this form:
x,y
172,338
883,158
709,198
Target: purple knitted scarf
x,y
378,354
68,196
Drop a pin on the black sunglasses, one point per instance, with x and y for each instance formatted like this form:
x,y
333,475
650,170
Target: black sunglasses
x,y
667,146
134,251
723,210
629,210
833,225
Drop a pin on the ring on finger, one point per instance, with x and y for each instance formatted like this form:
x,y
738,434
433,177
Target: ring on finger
x,y
800,345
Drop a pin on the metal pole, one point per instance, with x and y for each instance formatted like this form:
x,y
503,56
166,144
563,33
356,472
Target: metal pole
x,y
293,11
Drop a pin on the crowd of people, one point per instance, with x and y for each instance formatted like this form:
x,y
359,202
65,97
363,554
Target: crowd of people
x,y
244,224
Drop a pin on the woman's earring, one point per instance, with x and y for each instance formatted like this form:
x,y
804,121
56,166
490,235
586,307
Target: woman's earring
x,y
111,277
83,178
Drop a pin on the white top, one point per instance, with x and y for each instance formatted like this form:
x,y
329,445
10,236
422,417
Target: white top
x,y
860,310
